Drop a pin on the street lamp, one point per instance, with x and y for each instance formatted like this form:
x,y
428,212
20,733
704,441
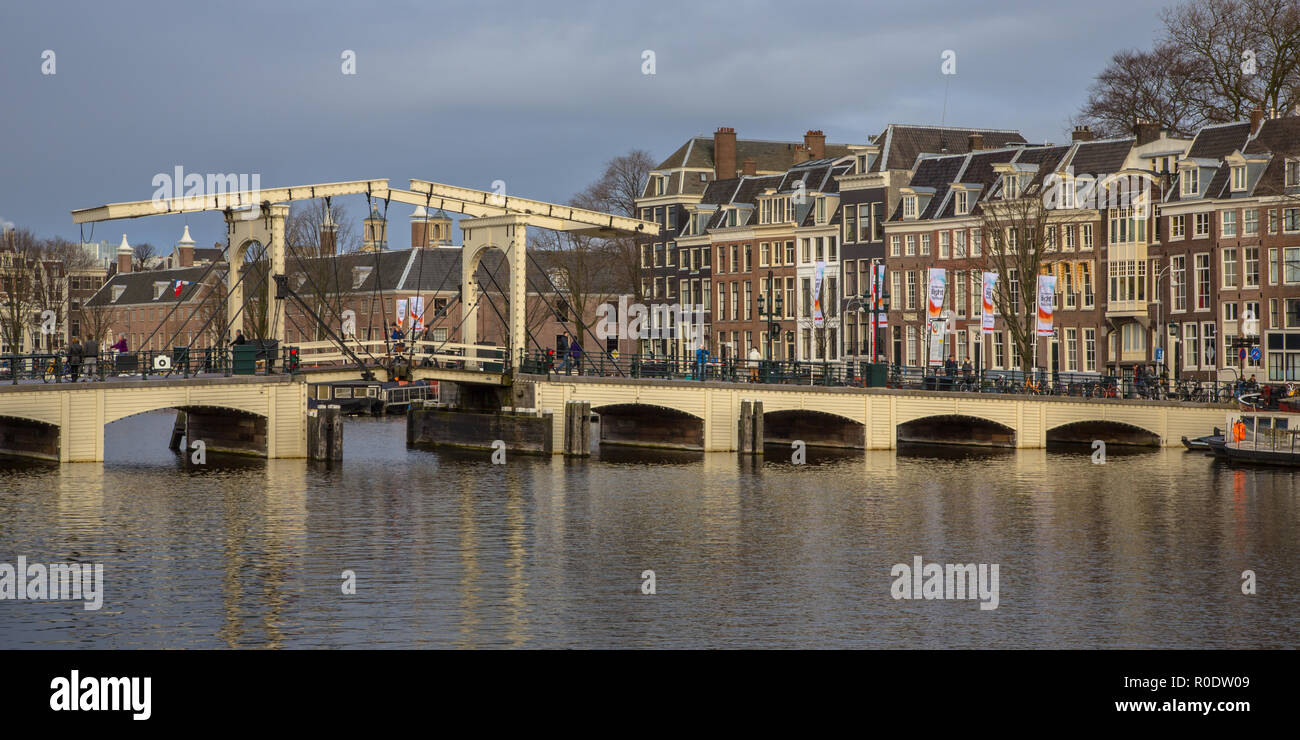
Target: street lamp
x,y
1175,347
770,311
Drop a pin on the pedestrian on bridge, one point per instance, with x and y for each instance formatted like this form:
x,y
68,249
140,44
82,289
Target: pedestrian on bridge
x,y
74,358
239,337
701,361
575,354
754,358
90,355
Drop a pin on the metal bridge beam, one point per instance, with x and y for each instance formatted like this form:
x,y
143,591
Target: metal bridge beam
x,y
223,201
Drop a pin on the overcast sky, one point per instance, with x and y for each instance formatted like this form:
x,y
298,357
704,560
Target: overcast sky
x,y
536,94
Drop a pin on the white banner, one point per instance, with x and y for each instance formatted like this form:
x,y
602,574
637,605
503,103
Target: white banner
x,y
818,317
936,329
986,318
417,313
1046,303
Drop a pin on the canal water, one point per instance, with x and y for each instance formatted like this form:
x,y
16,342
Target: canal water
x,y
448,550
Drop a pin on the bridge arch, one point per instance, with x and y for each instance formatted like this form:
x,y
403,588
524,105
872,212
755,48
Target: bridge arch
x,y
1111,432
648,425
813,428
22,436
956,429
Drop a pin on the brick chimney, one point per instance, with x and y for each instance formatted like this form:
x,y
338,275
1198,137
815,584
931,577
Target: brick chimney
x,y
329,236
749,167
1256,120
1146,132
125,256
815,141
185,250
724,153
1081,133
975,142
802,154
419,228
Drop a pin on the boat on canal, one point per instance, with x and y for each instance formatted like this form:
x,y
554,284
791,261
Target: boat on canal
x,y
1261,435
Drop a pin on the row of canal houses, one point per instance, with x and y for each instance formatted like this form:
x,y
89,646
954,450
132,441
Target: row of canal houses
x,y
763,234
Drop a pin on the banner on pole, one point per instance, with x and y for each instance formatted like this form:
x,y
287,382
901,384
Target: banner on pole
x,y
986,318
937,286
882,319
401,312
937,329
417,313
818,318
1046,304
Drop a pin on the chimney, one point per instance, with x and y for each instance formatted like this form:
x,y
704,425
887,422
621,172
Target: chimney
x,y
750,167
802,154
724,153
1081,133
329,236
975,142
185,250
1146,132
125,255
1256,120
419,228
815,141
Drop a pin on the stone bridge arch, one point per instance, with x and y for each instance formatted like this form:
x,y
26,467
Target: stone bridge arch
x,y
814,428
649,425
956,429
22,436
1085,432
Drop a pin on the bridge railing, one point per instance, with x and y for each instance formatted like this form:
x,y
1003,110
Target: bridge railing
x,y
59,367
1041,382
420,352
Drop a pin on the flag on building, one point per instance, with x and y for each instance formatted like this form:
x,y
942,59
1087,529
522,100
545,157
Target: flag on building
x,y
180,285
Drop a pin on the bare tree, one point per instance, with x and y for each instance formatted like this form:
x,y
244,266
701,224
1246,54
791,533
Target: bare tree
x,y
616,192
1216,61
19,259
144,253
314,268
1018,238
1147,86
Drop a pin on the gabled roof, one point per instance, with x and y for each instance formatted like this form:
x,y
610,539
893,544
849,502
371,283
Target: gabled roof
x,y
901,144
697,153
138,287
1280,138
1212,144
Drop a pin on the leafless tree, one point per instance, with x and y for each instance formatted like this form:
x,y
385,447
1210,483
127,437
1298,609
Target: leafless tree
x,y
616,192
19,259
315,271
144,254
1215,62
1018,240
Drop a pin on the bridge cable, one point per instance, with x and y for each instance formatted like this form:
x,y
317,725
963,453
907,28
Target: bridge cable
x,y
307,274
506,298
604,350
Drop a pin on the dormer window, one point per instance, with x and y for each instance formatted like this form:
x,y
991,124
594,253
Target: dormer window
x,y
909,206
159,287
861,164
118,290
1011,184
1191,181
821,209
359,275
657,184
962,202
1292,173
1238,178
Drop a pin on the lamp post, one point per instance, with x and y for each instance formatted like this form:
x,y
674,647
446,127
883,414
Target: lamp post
x,y
1175,346
770,311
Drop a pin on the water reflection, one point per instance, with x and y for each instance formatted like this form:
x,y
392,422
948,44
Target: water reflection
x,y
449,550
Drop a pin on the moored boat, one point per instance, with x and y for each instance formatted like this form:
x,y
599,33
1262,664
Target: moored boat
x,y
1263,438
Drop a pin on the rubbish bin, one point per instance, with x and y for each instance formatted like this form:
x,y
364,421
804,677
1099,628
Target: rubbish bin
x,y
876,374
244,359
